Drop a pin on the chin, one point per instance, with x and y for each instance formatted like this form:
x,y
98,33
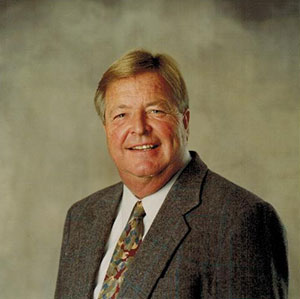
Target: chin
x,y
145,171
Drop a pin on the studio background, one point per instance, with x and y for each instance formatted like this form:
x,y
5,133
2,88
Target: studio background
x,y
240,60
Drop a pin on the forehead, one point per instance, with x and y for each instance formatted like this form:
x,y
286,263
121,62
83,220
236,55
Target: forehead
x,y
147,84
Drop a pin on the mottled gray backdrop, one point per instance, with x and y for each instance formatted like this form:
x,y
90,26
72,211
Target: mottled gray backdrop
x,y
240,60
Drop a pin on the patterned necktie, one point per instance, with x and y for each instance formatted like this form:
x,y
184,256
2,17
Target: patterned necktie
x,y
124,253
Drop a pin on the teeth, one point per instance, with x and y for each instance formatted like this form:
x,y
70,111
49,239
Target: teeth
x,y
142,147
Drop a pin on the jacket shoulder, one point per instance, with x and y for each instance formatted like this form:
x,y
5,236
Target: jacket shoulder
x,y
100,197
221,192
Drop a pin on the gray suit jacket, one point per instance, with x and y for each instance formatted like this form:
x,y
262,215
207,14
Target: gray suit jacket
x,y
210,239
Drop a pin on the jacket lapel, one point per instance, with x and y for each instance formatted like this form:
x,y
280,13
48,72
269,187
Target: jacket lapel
x,y
167,231
95,226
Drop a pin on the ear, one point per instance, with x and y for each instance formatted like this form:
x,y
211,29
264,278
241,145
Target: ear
x,y
186,119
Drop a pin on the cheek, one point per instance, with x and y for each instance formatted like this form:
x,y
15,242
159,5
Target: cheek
x,y
179,134
169,132
115,137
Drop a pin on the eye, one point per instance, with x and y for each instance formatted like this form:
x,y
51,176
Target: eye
x,y
156,111
121,115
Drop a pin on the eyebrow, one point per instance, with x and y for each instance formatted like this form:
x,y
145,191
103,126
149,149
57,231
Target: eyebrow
x,y
154,103
122,106
159,102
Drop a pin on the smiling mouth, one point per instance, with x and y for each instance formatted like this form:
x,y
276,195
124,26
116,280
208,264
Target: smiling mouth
x,y
145,147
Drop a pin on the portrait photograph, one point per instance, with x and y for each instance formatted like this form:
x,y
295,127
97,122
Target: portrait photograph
x,y
150,149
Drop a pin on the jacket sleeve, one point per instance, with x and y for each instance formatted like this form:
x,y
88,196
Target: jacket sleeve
x,y
61,279
252,260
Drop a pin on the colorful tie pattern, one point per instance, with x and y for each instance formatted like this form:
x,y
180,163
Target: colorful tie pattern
x,y
124,253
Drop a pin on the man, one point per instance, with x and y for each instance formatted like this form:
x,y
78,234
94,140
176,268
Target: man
x,y
172,228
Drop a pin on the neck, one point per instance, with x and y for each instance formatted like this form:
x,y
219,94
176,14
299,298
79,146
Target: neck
x,y
144,186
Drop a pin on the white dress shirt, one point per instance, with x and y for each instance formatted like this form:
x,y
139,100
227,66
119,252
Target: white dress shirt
x,y
151,204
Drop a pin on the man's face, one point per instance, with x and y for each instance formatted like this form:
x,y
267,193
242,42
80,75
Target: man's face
x,y
146,134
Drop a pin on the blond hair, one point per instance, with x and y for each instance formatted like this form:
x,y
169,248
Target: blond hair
x,y
139,61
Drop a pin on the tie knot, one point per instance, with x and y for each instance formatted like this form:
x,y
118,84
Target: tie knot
x,y
138,211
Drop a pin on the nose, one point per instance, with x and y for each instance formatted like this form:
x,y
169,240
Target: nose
x,y
139,125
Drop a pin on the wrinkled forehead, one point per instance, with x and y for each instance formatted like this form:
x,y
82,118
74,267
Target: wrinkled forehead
x,y
147,85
